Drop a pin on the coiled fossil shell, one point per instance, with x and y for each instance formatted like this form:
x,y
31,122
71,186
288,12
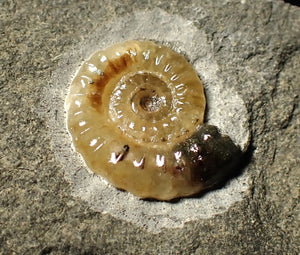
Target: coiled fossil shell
x,y
135,113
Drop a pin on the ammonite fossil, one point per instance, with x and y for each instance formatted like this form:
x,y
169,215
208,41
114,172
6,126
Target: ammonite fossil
x,y
135,113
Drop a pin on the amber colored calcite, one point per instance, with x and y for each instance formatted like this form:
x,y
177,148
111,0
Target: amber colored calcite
x,y
132,111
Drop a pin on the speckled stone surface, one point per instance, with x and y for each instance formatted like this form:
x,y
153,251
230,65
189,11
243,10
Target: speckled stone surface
x,y
256,47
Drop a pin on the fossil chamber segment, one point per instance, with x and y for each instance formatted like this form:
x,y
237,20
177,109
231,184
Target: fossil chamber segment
x,y
135,113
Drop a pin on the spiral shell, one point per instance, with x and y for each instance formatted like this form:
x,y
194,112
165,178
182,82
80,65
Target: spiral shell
x,y
135,113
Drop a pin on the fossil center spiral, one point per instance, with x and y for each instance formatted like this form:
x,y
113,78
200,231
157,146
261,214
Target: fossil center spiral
x,y
151,98
146,101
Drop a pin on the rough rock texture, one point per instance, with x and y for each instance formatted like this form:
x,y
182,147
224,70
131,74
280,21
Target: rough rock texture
x,y
256,45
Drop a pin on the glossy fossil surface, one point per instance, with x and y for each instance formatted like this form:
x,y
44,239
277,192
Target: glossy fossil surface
x,y
135,114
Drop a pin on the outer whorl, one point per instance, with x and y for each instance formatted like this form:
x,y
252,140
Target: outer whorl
x,y
135,113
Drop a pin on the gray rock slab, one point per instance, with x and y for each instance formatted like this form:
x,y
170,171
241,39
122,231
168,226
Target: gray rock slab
x,y
247,55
